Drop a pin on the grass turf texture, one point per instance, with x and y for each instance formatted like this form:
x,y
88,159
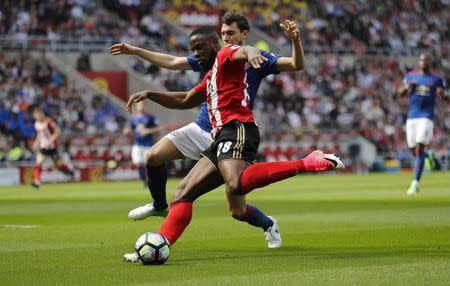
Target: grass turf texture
x,y
345,229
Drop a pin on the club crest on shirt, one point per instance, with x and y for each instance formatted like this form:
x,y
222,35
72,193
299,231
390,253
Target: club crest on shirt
x,y
422,90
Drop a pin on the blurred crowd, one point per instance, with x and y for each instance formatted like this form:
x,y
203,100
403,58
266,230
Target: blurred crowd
x,y
26,82
357,25
29,21
113,21
336,96
351,94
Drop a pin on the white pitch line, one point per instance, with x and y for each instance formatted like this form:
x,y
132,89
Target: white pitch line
x,y
22,226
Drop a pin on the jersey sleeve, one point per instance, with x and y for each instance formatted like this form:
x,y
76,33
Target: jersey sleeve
x,y
192,60
51,124
152,121
269,66
441,83
227,52
201,87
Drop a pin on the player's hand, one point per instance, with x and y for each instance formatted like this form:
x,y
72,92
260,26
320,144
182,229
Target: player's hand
x,y
255,59
290,29
135,98
122,48
412,84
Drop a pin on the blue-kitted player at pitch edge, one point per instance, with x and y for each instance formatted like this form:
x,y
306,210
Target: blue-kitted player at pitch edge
x,y
422,86
145,127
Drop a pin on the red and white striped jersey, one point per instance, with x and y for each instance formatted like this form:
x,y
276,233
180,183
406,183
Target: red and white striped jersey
x,y
226,89
45,129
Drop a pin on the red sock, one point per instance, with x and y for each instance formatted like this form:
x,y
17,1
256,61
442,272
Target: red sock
x,y
177,220
37,173
262,174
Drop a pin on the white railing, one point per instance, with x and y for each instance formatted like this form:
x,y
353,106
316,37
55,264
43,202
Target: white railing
x,y
10,42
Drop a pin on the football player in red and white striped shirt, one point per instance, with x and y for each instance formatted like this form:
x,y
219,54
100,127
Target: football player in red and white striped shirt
x,y
230,158
46,145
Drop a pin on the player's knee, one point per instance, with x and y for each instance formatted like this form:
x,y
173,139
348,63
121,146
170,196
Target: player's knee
x,y
233,187
152,158
238,214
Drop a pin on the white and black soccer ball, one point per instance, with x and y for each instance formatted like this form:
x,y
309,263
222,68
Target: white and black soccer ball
x,y
152,248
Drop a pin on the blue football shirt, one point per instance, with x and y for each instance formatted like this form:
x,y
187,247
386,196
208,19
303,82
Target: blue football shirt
x,y
148,121
423,96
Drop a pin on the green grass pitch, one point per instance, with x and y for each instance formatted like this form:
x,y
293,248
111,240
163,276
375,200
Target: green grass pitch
x,y
337,230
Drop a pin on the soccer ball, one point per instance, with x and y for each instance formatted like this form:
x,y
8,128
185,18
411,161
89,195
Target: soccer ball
x,y
152,248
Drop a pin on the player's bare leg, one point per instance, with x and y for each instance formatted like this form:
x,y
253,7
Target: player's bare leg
x,y
231,170
263,174
40,158
242,211
202,179
162,152
61,166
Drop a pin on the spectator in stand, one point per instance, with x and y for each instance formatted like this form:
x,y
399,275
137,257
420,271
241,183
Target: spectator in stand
x,y
84,62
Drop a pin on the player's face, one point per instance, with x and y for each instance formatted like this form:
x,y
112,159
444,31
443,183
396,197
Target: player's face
x,y
232,35
204,50
38,115
140,107
424,62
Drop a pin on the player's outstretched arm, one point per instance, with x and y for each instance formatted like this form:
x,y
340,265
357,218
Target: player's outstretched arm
x,y
172,100
160,59
150,131
297,60
250,54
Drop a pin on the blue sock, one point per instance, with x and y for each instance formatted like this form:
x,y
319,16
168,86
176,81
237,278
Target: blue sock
x,y
255,217
418,166
156,182
142,173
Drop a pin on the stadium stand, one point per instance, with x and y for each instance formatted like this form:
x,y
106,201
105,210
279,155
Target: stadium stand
x,y
345,92
348,26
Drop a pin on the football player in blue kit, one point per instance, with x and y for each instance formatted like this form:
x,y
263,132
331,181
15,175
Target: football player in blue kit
x,y
422,86
145,127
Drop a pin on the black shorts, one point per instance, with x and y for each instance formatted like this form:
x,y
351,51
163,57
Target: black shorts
x,y
49,152
237,140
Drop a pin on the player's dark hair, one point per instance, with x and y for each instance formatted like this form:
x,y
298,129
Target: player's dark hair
x,y
234,16
204,31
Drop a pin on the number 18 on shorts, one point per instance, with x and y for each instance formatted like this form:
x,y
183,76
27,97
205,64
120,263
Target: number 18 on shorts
x,y
236,140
